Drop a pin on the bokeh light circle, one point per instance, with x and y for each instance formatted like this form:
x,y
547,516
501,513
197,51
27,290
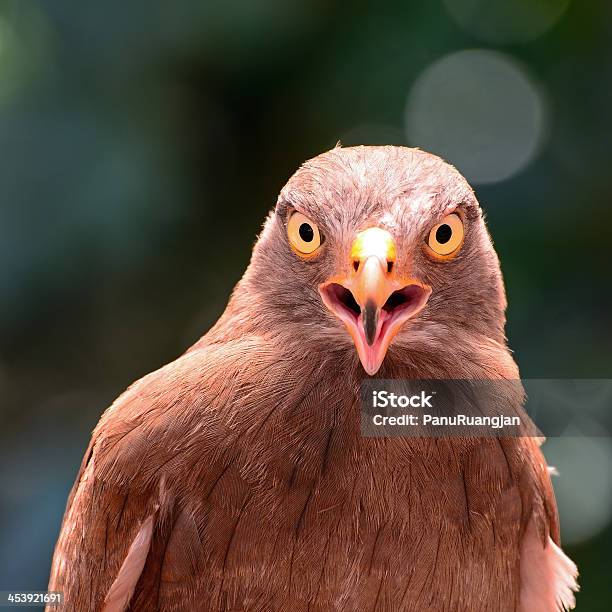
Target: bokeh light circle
x,y
479,110
506,21
584,486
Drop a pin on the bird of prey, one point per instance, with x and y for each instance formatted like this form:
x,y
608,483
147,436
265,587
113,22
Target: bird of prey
x,y
236,477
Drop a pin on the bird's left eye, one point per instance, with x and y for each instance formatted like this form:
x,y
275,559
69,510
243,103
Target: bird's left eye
x,y
446,237
304,236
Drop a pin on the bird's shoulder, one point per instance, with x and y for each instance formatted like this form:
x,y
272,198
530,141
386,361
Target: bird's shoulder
x,y
194,401
168,432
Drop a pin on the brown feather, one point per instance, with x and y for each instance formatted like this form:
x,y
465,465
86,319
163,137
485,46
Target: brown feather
x,y
122,589
247,449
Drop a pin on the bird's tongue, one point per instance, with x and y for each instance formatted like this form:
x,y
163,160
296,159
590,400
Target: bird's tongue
x,y
372,344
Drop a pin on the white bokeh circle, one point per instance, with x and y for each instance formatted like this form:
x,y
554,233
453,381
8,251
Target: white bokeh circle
x,y
479,110
506,21
583,487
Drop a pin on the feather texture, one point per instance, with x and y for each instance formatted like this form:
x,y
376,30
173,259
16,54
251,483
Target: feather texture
x,y
122,589
548,576
236,477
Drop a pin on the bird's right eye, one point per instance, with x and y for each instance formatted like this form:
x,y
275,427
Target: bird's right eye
x,y
304,236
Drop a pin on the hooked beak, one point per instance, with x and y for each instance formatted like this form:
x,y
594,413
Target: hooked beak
x,y
372,301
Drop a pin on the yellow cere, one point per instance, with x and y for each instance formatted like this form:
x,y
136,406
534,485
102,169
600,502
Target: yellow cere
x,y
373,241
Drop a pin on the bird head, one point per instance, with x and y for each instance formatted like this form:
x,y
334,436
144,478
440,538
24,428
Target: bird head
x,y
379,250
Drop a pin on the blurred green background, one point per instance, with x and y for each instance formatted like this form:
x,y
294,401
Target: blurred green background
x,y
142,144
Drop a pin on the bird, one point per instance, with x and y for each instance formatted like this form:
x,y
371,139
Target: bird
x,y
237,478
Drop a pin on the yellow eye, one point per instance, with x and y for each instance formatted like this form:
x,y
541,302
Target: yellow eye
x,y
304,236
446,237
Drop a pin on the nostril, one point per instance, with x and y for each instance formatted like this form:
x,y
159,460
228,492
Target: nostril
x,y
389,265
356,264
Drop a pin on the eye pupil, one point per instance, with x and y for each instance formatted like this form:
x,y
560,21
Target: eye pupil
x,y
443,233
306,232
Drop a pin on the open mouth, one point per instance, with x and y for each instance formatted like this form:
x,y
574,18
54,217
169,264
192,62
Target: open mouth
x,y
401,302
373,327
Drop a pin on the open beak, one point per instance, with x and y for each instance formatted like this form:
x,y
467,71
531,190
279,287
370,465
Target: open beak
x,y
372,301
